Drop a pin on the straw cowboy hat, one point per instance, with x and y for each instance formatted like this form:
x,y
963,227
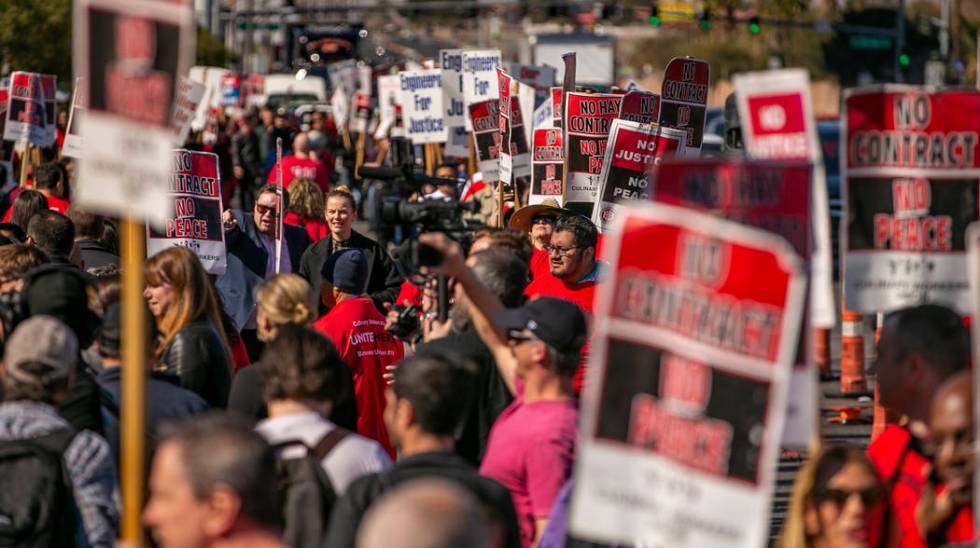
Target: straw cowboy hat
x,y
521,219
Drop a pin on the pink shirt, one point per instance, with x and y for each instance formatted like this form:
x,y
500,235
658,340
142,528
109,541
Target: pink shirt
x,y
530,452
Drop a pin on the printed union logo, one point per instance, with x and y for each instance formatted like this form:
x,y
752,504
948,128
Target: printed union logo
x,y
607,214
772,117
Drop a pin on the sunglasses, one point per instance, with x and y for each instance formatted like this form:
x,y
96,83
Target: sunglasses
x,y
519,335
262,209
839,497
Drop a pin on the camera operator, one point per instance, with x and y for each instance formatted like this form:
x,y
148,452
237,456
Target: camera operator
x,y
383,278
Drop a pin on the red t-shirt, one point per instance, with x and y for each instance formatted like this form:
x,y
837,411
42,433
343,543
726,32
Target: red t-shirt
x,y
293,167
540,263
900,466
316,228
357,329
582,294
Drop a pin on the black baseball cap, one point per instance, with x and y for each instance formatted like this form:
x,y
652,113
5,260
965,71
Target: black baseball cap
x,y
558,323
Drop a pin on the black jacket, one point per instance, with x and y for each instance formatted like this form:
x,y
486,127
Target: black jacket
x,y
198,357
247,259
94,254
350,509
490,397
384,281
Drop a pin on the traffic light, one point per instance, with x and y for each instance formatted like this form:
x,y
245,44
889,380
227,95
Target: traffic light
x,y
705,20
904,60
754,26
654,18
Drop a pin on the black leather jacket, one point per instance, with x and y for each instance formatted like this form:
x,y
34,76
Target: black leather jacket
x,y
197,356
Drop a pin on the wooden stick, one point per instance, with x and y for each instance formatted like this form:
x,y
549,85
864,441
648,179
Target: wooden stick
x,y
500,204
470,156
134,374
359,156
23,165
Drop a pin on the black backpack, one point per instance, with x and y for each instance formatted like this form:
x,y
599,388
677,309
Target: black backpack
x,y
37,503
308,494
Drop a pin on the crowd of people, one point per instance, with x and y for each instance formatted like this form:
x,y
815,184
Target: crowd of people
x,y
281,408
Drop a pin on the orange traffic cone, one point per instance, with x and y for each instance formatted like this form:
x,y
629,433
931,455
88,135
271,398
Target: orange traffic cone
x,y
821,347
852,354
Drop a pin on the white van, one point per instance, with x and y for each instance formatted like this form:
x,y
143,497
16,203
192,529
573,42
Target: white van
x,y
286,88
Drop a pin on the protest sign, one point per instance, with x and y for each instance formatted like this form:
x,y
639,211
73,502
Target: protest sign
x,y
72,145
543,117
772,196
910,170
30,109
340,108
539,78
129,54
451,61
195,222
778,123
557,104
640,106
547,166
388,97
189,95
480,76
515,159
422,109
684,98
4,95
486,137
631,152
231,89
587,120
694,336
343,76
362,114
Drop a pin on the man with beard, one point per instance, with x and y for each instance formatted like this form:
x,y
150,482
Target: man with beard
x,y
945,513
538,222
504,275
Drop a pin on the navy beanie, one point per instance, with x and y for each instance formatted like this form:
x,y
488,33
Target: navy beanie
x,y
347,270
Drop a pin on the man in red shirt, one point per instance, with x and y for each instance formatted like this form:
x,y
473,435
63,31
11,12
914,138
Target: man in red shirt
x,y
574,273
357,329
302,164
919,349
48,180
538,222
946,517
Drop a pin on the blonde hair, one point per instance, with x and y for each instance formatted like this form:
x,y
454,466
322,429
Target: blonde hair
x,y
286,299
194,295
305,199
823,464
342,191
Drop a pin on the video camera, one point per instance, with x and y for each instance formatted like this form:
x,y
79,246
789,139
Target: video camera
x,y
393,208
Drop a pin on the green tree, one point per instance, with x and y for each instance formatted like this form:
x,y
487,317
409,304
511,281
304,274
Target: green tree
x,y
35,36
210,51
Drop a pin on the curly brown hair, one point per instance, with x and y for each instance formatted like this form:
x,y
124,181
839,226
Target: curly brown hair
x,y
305,199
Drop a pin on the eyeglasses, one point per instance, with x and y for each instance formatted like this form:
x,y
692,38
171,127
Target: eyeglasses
x,y
542,220
839,497
263,209
561,251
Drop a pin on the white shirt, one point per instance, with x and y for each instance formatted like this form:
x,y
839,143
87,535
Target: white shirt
x,y
353,457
